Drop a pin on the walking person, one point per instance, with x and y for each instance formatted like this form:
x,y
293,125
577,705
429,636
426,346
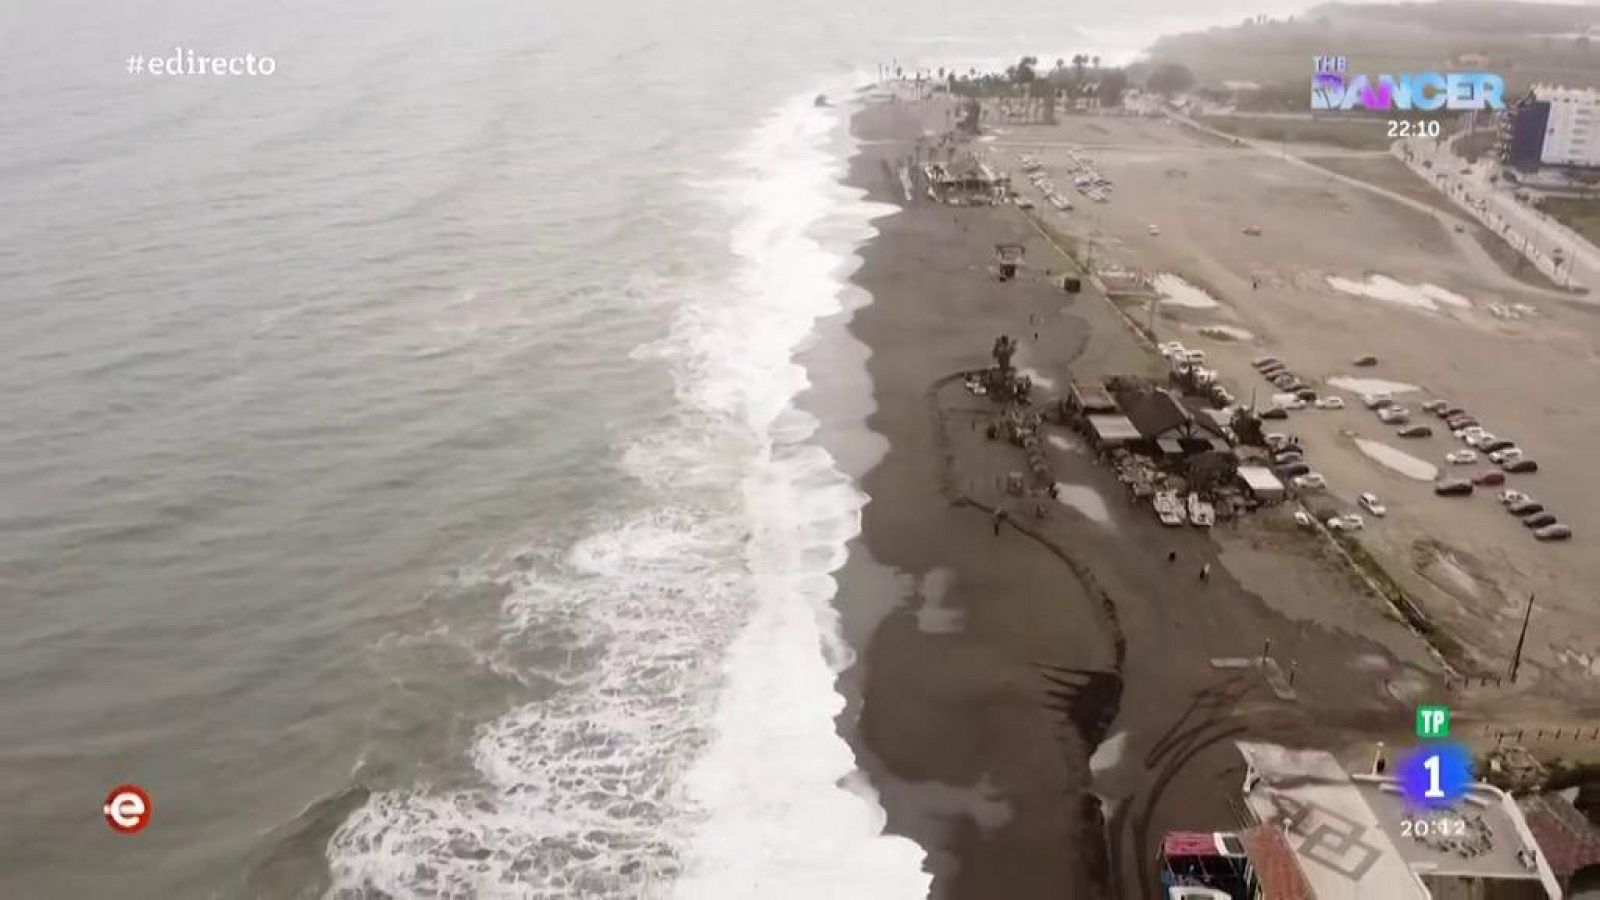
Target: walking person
x,y
999,519
1205,572
1172,556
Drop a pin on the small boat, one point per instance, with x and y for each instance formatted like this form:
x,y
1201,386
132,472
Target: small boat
x,y
822,100
1168,509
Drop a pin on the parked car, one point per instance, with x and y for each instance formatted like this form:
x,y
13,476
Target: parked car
x,y
1350,522
1283,382
1291,470
1461,457
1307,394
1376,401
1261,362
1457,423
1273,412
1024,203
1505,455
1277,441
1453,487
1478,439
1539,520
1394,415
1526,507
1284,457
1520,465
1509,497
1369,501
1450,412
1170,348
1435,406
1288,401
1496,445
1415,431
1364,361
1330,403
1489,477
1556,532
1311,481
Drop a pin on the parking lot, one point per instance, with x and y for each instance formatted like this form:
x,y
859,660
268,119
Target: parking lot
x,y
1321,273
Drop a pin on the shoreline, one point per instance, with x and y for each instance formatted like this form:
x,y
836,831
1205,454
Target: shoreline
x,y
1004,688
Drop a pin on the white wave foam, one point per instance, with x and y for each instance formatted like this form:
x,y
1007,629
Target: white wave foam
x,y
781,810
687,653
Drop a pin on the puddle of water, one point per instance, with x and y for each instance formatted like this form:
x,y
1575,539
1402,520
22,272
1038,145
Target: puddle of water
x,y
1371,385
1085,500
1426,297
1177,292
1448,298
1109,753
1227,332
1456,576
934,616
1398,461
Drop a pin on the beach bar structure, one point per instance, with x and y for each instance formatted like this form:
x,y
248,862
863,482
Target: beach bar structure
x,y
1090,398
969,180
1111,432
1168,426
1261,484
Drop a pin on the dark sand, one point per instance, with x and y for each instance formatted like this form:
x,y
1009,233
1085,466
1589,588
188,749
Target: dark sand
x,y
991,667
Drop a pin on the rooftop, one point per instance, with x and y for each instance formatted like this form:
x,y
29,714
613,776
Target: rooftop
x,y
1348,835
1113,429
1567,838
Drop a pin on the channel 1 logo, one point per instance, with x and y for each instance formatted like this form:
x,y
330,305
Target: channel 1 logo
x,y
128,808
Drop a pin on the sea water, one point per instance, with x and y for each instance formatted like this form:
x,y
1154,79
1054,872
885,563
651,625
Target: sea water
x,y
404,477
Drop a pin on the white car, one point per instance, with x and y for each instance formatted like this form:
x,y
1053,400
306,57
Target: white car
x,y
1024,203
1391,415
1330,403
1154,230
1509,497
1288,401
1376,401
1311,481
1474,440
1351,522
1302,518
1369,502
1170,349
1461,457
1506,455
1194,357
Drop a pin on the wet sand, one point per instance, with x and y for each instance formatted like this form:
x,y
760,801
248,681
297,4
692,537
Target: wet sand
x,y
991,668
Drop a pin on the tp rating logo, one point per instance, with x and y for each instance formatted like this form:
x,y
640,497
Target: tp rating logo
x,y
1433,722
128,808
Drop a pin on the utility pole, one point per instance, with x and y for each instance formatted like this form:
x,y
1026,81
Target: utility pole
x,y
1516,658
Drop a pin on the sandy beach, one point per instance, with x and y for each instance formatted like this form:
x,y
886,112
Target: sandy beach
x,y
1014,690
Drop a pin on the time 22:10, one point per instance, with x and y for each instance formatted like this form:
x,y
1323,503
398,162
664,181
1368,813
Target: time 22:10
x,y
1404,128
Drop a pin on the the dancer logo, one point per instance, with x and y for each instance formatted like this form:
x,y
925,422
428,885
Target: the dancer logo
x,y
128,809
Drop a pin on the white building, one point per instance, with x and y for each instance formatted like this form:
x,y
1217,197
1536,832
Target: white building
x,y
1572,132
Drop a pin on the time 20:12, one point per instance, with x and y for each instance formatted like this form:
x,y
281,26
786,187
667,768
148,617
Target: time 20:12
x,y
1405,128
1433,827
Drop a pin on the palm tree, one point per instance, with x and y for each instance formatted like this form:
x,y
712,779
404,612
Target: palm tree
x,y
1079,60
1096,61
